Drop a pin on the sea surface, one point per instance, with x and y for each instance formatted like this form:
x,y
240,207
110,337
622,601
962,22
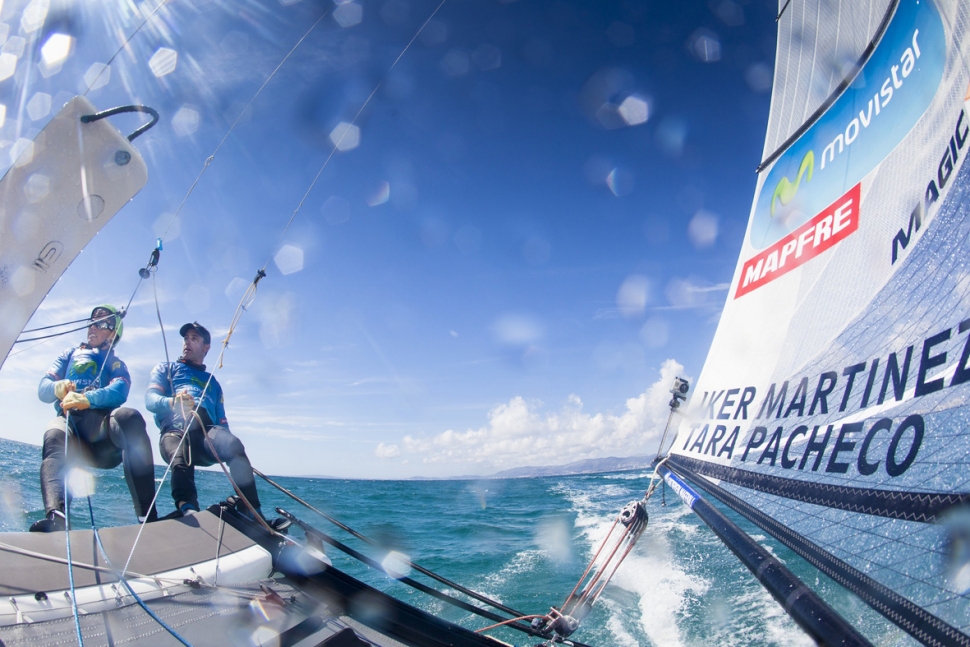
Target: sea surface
x,y
524,542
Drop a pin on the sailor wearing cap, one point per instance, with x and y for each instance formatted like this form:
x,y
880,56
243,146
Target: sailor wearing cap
x,y
90,383
184,397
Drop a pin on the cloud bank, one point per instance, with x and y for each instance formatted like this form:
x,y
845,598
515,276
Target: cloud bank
x,y
521,432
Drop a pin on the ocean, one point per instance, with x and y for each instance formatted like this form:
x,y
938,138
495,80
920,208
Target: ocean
x,y
524,542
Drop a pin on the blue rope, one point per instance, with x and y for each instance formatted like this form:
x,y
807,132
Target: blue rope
x,y
121,578
67,530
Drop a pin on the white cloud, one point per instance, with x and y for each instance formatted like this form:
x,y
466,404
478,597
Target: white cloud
x,y
387,451
520,432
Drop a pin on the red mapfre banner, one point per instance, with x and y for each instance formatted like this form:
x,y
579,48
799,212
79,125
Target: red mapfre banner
x,y
820,233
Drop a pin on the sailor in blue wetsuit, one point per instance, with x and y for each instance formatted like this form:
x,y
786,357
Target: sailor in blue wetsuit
x,y
174,391
88,385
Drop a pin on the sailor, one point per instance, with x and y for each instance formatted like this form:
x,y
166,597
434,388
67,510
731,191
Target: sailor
x,y
184,397
88,385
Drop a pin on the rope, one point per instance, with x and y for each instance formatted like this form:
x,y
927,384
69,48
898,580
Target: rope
x,y
101,569
420,569
87,320
124,582
321,536
212,448
502,624
87,325
633,519
222,528
67,529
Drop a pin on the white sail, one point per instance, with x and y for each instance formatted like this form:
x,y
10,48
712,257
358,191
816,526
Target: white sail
x,y
63,188
832,409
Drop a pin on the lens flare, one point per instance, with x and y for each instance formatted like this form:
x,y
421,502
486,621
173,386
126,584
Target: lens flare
x,y
80,482
380,195
397,565
345,136
289,259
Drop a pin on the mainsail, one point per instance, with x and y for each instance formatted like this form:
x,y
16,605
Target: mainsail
x,y
832,409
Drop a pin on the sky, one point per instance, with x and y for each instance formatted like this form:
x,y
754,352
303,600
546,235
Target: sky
x,y
493,231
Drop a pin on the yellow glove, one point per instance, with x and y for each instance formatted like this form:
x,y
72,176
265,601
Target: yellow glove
x,y
62,388
74,400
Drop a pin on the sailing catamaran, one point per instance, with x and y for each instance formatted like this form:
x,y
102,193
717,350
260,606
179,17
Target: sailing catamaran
x,y
831,405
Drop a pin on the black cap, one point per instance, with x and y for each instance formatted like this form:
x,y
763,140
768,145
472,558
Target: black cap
x,y
199,329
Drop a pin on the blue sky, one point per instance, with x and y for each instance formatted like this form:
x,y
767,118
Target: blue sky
x,y
534,234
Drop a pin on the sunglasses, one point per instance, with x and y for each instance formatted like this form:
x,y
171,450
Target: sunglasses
x,y
107,323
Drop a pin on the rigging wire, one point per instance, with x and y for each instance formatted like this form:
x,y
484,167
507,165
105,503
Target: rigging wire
x,y
58,325
371,542
124,581
123,46
212,156
321,536
251,292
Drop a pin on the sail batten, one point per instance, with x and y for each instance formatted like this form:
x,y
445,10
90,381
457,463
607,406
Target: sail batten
x,y
814,107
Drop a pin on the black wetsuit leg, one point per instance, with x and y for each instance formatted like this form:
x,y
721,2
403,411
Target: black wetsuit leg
x,y
52,466
183,459
126,430
89,446
230,449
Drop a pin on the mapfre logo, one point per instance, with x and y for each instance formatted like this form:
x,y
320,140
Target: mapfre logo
x,y
809,240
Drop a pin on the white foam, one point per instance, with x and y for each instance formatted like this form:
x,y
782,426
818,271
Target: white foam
x,y
662,586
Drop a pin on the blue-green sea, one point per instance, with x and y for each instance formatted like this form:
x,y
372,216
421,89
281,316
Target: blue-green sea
x,y
524,542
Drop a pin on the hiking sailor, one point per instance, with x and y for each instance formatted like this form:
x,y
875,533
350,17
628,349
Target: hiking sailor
x,y
91,383
175,391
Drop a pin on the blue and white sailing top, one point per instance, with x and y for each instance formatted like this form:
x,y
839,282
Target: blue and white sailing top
x,y
169,378
105,388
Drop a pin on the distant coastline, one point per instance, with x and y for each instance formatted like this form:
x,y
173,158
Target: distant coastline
x,y
588,466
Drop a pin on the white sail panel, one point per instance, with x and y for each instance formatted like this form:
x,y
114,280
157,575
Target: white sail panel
x,y
832,407
66,185
813,56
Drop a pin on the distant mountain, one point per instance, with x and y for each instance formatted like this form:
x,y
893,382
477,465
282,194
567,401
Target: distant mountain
x,y
589,466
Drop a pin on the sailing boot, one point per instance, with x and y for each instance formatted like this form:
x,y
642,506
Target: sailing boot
x,y
53,522
279,524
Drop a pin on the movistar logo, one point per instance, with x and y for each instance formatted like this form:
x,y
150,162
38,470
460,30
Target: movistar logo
x,y
785,191
85,369
199,382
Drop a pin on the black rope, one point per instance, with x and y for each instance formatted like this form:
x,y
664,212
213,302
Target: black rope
x,y
420,569
311,531
88,323
65,323
85,119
